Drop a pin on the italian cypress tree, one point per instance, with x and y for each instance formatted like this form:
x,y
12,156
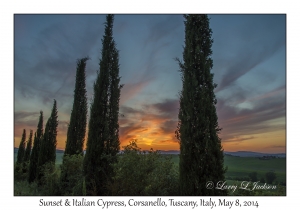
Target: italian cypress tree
x,y
103,141
113,144
201,153
21,151
76,129
28,148
47,151
77,126
35,150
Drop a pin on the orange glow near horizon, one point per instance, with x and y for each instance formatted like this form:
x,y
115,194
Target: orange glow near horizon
x,y
271,142
150,137
157,132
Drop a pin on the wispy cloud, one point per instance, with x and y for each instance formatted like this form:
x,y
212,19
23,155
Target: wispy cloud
x,y
25,120
21,115
245,63
162,28
258,119
249,66
169,107
276,146
254,44
132,89
55,51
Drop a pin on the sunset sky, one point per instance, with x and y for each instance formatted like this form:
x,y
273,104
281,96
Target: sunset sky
x,y
249,55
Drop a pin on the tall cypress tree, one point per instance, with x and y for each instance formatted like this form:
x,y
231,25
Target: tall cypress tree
x,y
201,153
28,147
103,141
77,126
76,129
35,150
47,151
113,145
21,151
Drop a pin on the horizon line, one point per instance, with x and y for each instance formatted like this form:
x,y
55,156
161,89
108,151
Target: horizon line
x,y
179,151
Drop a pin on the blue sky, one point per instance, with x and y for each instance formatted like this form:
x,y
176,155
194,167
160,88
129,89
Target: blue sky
x,y
249,55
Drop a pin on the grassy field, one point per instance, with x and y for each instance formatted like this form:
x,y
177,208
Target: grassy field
x,y
242,166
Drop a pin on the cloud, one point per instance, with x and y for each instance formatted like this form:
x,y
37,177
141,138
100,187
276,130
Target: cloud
x,y
163,28
131,131
255,41
24,120
168,129
132,128
276,146
63,127
260,118
151,124
170,107
153,48
240,95
21,115
245,63
239,124
130,90
239,139
55,50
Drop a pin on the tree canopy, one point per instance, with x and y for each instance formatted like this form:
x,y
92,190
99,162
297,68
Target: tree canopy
x,y
103,137
201,153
